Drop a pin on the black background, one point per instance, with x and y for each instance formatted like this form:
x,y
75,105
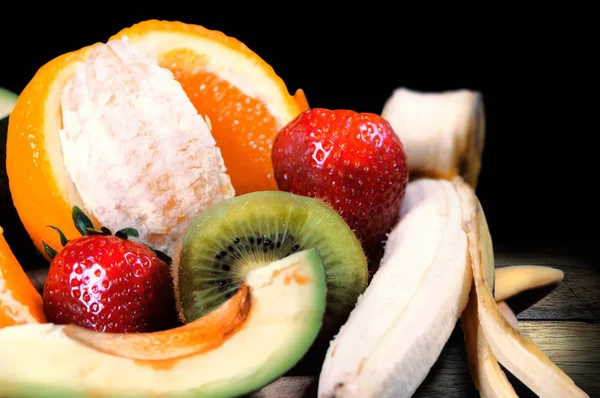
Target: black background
x,y
538,174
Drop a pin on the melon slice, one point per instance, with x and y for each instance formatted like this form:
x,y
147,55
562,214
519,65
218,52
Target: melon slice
x,y
249,341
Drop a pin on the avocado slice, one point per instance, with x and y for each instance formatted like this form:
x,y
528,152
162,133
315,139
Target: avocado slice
x,y
246,343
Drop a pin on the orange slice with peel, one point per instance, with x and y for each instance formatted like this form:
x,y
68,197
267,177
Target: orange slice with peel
x,y
20,302
300,98
245,103
37,179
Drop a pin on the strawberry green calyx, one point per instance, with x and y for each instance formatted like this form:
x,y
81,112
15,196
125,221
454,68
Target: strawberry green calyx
x,y
86,228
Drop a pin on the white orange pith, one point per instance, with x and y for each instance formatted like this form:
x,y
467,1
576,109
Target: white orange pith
x,y
244,101
135,147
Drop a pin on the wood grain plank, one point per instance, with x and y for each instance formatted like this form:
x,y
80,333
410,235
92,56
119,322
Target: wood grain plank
x,y
573,346
289,387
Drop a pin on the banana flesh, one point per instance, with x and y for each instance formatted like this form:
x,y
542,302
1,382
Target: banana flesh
x,y
516,279
512,349
443,133
406,315
426,281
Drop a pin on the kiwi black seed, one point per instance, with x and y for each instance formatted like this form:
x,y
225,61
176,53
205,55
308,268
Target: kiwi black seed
x,y
236,235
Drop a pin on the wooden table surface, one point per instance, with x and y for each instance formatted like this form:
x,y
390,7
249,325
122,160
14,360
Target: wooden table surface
x,y
565,324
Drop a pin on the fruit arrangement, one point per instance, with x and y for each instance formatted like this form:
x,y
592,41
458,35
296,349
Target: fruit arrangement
x,y
252,232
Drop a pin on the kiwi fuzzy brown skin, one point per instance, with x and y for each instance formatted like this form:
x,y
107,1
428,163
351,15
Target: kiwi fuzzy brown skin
x,y
230,238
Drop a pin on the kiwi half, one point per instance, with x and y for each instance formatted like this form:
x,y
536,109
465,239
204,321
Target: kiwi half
x,y
236,235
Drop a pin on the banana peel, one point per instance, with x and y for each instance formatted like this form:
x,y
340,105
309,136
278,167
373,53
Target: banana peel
x,y
399,325
513,280
512,349
488,377
404,318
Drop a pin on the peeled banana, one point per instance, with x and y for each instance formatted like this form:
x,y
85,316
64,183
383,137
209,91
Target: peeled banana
x,y
438,265
406,315
443,133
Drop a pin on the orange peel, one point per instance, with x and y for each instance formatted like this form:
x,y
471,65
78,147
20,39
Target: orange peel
x,y
245,102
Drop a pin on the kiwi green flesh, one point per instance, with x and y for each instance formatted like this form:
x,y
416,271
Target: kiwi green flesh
x,y
236,235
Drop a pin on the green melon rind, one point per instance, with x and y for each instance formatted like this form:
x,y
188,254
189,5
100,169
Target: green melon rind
x,y
278,364
342,249
8,100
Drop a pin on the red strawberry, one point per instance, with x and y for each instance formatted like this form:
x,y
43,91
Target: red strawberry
x,y
353,161
108,283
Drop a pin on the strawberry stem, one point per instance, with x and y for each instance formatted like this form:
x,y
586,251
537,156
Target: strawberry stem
x,y
63,238
86,228
82,222
125,233
49,251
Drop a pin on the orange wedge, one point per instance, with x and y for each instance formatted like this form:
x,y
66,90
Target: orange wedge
x,y
39,187
19,301
245,102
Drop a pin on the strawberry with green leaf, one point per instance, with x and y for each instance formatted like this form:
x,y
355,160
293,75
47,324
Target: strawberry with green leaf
x,y
108,283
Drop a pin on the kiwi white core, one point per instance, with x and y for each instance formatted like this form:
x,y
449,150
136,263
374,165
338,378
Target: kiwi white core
x,y
135,148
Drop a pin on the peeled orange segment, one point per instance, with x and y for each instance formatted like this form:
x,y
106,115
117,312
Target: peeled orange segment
x,y
109,130
246,102
20,303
